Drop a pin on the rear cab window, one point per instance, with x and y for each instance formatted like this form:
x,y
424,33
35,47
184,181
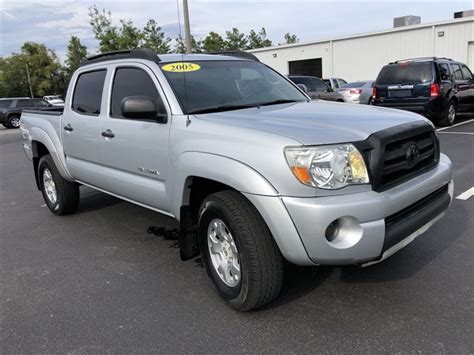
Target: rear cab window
x,y
406,73
87,96
444,72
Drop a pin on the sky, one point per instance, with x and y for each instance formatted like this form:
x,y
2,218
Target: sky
x,y
52,22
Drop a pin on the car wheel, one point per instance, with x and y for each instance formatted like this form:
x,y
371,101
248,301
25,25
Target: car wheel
x,y
449,115
240,254
61,196
13,122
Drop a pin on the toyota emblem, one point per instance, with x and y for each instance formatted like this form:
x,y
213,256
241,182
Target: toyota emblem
x,y
413,154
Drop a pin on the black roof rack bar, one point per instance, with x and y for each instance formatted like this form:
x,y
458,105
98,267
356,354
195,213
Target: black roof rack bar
x,y
419,59
238,54
122,54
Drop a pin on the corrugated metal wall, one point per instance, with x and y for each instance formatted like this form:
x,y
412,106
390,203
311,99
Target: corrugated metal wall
x,y
360,58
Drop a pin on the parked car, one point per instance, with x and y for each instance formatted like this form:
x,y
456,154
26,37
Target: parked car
x,y
253,170
335,83
11,107
315,88
438,88
359,92
54,100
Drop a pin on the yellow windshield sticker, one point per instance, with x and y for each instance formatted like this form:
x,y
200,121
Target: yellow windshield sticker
x,y
181,67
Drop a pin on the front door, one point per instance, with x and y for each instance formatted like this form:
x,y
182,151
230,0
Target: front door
x,y
81,127
136,151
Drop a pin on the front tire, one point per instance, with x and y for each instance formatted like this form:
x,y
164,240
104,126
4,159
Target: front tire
x,y
449,115
61,196
240,254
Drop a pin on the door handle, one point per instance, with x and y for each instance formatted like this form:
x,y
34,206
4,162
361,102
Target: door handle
x,y
108,134
68,128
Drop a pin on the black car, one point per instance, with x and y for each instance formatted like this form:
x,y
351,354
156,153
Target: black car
x,y
10,109
438,88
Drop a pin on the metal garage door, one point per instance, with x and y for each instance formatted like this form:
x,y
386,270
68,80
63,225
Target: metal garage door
x,y
311,67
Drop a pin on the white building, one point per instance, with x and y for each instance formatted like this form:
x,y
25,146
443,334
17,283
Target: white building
x,y
360,57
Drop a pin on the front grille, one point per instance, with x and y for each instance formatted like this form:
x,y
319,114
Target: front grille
x,y
397,166
399,153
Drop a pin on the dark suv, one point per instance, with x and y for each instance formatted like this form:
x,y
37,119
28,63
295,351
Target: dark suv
x,y
10,109
438,88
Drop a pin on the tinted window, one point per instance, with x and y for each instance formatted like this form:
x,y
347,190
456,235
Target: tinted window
x,y
457,72
305,81
23,103
5,103
40,103
444,72
319,85
466,73
132,82
228,84
405,73
358,84
88,92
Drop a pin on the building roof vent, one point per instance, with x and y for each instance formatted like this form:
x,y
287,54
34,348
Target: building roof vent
x,y
406,21
462,14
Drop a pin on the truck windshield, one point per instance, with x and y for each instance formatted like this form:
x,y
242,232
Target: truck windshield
x,y
213,86
406,73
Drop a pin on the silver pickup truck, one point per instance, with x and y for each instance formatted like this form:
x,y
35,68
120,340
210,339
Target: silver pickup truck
x,y
254,171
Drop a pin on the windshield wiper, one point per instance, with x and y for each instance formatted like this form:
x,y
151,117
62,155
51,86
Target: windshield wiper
x,y
280,101
220,108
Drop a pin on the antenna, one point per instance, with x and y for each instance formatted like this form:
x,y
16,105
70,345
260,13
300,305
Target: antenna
x,y
188,120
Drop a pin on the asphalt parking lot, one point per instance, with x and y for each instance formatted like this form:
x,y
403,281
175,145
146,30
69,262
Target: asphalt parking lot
x,y
97,281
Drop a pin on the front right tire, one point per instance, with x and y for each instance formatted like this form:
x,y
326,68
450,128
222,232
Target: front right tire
x,y
239,252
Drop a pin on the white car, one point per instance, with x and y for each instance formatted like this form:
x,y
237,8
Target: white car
x,y
54,100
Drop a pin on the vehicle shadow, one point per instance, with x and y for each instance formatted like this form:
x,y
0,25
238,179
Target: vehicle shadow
x,y
92,200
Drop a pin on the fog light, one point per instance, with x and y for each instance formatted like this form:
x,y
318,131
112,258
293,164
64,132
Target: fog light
x,y
332,230
344,232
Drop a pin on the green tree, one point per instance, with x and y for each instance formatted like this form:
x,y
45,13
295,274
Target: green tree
x,y
258,40
76,52
235,40
290,39
213,42
154,39
44,68
104,31
180,45
129,36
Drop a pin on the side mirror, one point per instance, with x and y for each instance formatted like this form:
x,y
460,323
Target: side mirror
x,y
303,88
142,107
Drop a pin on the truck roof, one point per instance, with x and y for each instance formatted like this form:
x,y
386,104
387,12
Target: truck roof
x,y
167,58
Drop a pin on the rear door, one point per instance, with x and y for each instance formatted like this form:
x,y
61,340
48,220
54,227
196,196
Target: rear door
x,y
464,87
324,92
136,158
81,126
405,83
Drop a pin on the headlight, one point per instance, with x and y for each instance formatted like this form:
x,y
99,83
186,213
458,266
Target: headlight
x,y
327,167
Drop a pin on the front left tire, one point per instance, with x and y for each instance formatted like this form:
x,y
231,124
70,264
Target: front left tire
x,y
239,252
61,196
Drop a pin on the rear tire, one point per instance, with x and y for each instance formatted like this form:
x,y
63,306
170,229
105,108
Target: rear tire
x,y
13,122
61,196
253,274
449,115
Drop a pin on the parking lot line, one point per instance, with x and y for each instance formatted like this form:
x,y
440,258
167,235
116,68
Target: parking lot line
x,y
456,133
455,125
466,194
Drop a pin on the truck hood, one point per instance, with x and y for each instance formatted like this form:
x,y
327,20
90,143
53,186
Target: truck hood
x,y
316,122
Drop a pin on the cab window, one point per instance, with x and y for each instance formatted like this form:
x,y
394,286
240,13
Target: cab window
x,y
88,92
132,82
466,73
457,72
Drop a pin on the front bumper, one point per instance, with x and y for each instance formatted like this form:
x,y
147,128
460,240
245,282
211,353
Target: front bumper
x,y
377,224
365,217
